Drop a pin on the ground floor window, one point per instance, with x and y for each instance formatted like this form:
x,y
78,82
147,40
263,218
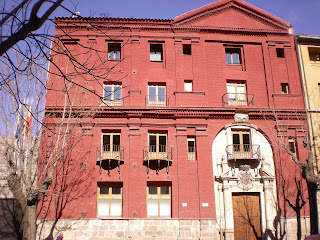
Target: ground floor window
x,y
159,200
109,200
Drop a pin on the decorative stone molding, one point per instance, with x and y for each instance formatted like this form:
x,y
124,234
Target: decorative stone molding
x,y
245,178
241,117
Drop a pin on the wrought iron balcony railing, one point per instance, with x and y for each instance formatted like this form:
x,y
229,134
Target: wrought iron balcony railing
x,y
112,152
238,99
157,100
113,102
243,152
157,152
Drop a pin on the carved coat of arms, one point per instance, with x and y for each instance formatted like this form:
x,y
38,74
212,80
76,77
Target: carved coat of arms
x,y
245,178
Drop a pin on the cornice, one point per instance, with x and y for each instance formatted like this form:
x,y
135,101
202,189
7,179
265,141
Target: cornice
x,y
170,28
175,113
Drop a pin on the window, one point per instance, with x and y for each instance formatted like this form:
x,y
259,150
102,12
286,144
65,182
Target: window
x,y
110,146
159,200
156,95
109,200
112,94
314,54
292,146
233,56
114,51
280,52
188,85
157,143
237,95
191,149
285,88
186,49
241,143
156,52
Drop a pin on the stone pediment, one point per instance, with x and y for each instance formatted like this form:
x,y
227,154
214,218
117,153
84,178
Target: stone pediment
x,y
231,14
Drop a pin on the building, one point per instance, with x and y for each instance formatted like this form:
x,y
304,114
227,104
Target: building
x,y
192,135
308,51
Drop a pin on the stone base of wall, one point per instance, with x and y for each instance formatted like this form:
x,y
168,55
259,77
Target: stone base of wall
x,y
158,229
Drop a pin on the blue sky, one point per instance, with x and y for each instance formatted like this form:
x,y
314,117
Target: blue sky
x,y
302,14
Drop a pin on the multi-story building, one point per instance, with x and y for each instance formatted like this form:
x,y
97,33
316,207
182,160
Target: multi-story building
x,y
308,50
191,137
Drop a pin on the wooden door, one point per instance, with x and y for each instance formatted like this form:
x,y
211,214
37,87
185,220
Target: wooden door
x,y
246,213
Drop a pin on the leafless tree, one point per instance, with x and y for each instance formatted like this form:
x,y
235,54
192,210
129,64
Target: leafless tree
x,y
29,55
296,196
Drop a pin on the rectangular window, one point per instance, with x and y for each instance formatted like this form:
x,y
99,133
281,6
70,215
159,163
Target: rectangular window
x,y
159,200
186,49
233,56
109,200
156,52
114,51
188,86
241,143
191,149
110,146
157,95
292,146
314,54
112,94
285,88
237,95
280,52
158,146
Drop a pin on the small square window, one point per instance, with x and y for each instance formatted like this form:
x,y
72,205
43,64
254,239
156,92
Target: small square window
x,y
114,51
186,49
280,52
188,86
285,88
233,56
314,54
156,52
112,94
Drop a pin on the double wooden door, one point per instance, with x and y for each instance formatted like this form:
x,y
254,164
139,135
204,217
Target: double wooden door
x,y
246,212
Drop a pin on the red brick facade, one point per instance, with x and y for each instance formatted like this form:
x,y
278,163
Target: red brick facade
x,y
225,47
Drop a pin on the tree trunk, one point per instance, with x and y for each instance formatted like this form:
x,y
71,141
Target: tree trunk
x,y
298,224
312,191
28,224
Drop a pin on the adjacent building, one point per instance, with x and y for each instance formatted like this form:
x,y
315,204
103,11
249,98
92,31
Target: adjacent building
x,y
308,51
192,125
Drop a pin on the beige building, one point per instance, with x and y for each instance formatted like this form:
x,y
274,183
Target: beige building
x,y
308,51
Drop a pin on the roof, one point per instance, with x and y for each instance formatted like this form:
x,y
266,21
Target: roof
x,y
241,3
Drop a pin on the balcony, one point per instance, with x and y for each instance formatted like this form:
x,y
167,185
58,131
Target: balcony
x,y
238,99
110,157
157,100
113,102
243,152
157,157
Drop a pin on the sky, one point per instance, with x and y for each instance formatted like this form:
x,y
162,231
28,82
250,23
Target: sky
x,y
302,14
